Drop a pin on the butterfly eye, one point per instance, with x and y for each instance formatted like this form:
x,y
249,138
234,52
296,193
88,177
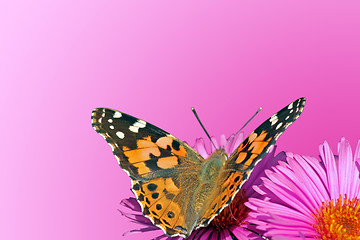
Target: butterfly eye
x,y
223,153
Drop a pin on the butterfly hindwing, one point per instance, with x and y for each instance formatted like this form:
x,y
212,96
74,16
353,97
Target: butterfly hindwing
x,y
164,201
230,184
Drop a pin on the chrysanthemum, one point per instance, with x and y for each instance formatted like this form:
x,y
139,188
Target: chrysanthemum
x,y
232,222
307,198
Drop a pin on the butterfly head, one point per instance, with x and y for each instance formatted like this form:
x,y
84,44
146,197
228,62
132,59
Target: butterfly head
x,y
222,151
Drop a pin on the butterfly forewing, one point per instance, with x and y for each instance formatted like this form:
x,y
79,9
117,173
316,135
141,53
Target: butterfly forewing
x,y
257,144
164,170
143,150
242,161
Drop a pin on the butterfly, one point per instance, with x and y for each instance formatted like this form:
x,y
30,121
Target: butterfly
x,y
179,190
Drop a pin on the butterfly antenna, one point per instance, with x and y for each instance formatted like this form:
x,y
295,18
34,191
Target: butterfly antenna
x,y
207,134
231,138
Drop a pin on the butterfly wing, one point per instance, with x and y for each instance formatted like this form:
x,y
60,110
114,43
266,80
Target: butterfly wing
x,y
163,169
242,161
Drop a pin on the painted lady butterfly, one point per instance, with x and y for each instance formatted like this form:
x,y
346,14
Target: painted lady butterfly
x,y
178,189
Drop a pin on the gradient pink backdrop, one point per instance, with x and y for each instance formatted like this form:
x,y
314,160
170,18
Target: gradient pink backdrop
x,y
155,60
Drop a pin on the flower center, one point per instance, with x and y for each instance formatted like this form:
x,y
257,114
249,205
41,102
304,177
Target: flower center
x,y
339,219
232,215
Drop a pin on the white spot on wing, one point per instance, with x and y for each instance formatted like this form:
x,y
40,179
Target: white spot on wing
x,y
134,129
112,127
120,135
290,106
140,124
117,115
110,120
273,119
278,126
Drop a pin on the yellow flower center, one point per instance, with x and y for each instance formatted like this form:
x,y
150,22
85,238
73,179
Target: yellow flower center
x,y
338,219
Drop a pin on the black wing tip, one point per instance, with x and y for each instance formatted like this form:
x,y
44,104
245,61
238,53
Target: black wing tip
x,y
102,112
102,109
297,104
96,112
97,109
302,100
302,103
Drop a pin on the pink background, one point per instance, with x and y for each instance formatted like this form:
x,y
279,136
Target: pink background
x,y
155,60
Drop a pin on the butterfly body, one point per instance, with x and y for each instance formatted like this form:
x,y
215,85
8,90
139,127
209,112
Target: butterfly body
x,y
177,188
211,170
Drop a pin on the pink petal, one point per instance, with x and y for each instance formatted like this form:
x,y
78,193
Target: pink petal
x,y
319,170
223,140
275,209
285,189
357,152
131,203
200,147
240,233
309,186
140,219
142,230
331,170
345,167
215,143
255,177
291,233
237,141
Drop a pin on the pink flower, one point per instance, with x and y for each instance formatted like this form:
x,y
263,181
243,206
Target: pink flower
x,y
307,198
231,223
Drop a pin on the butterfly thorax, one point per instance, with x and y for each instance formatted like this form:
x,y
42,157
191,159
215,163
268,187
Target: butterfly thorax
x,y
212,165
210,171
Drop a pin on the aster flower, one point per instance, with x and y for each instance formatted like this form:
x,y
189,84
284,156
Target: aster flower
x,y
231,223
307,198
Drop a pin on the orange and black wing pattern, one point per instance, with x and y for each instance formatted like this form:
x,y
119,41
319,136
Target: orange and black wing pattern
x,y
143,150
243,160
164,171
258,143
